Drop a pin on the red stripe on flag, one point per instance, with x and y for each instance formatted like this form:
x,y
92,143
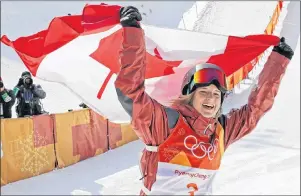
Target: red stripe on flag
x,y
98,16
61,30
241,50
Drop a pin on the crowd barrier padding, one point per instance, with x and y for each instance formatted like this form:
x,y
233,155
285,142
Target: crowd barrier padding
x,y
28,148
72,131
77,138
99,128
120,134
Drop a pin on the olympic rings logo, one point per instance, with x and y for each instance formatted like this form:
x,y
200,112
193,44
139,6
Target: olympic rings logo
x,y
202,146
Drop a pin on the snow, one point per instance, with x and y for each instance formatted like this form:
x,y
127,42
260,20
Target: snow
x,y
115,172
266,162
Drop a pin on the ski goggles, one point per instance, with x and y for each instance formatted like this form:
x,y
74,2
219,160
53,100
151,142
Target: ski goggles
x,y
205,75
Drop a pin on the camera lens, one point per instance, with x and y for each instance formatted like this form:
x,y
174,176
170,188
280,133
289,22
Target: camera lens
x,y
27,80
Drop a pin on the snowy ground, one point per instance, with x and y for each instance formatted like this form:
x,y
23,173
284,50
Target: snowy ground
x,y
265,162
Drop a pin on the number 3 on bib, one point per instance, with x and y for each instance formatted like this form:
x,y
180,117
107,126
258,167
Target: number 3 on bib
x,y
194,186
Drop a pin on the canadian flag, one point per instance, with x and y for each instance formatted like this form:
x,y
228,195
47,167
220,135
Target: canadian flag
x,y
82,53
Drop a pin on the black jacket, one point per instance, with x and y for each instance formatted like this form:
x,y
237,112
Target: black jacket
x,y
34,108
7,99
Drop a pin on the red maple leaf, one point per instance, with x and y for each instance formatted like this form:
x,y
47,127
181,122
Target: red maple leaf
x,y
107,54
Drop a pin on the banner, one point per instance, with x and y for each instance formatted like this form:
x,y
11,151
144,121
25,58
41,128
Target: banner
x,y
28,149
120,134
77,138
99,128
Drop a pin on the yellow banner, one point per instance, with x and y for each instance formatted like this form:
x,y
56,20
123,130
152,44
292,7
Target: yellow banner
x,y
27,148
78,136
120,134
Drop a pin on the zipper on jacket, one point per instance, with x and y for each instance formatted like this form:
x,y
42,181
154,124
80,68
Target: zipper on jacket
x,y
212,137
209,125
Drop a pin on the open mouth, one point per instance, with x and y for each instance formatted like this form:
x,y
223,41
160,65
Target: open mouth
x,y
208,106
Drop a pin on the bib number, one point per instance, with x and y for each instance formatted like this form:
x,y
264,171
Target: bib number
x,y
194,187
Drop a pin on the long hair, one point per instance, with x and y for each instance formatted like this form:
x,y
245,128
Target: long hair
x,y
183,100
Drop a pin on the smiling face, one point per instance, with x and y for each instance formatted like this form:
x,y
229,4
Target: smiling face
x,y
207,100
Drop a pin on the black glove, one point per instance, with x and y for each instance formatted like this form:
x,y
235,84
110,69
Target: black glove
x,y
20,83
284,49
129,17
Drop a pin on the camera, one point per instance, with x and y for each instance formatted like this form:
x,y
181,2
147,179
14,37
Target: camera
x,y
27,81
82,105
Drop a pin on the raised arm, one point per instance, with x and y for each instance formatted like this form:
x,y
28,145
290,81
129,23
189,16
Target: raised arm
x,y
39,92
240,122
148,116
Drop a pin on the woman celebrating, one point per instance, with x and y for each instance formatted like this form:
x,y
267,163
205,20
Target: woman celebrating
x,y
185,142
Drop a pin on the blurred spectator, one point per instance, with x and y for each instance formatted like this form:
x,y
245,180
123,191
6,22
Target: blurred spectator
x,y
28,96
7,100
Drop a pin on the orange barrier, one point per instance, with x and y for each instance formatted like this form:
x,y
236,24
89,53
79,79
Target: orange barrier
x,y
77,138
99,129
28,148
242,73
120,134
28,143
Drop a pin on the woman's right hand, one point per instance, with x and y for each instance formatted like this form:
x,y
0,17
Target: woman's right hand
x,y
130,17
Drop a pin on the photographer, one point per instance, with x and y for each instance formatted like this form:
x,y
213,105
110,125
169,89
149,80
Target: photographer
x,y
83,105
28,96
7,100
